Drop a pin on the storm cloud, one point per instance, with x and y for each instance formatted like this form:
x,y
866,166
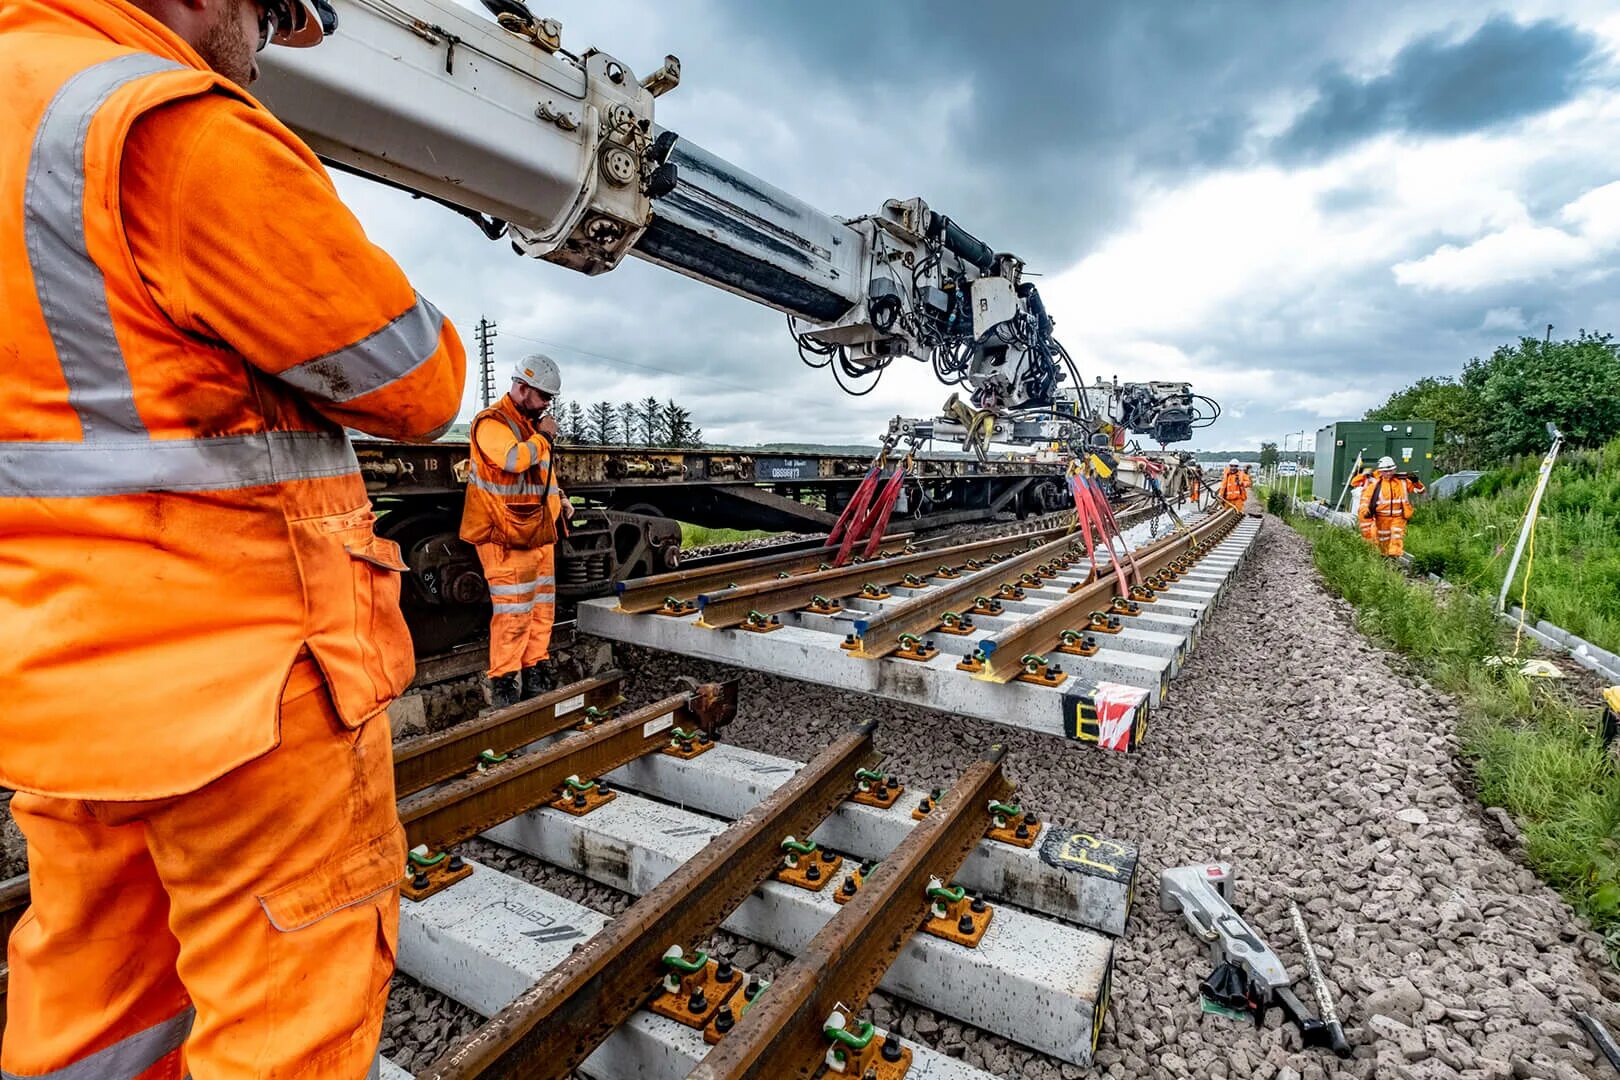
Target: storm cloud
x,y
1299,207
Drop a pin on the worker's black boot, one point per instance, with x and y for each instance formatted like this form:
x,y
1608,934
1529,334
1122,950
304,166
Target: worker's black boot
x,y
505,690
539,679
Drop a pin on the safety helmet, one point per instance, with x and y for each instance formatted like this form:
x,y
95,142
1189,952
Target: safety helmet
x,y
1386,462
1232,464
539,371
302,23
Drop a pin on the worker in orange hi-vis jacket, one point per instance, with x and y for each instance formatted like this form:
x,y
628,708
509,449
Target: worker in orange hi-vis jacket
x,y
1234,489
200,630
1386,506
511,512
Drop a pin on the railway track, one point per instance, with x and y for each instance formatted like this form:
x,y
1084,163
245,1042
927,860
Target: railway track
x,y
1026,631
947,898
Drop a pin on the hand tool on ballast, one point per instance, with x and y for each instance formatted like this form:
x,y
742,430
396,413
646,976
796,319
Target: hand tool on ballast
x,y
1249,979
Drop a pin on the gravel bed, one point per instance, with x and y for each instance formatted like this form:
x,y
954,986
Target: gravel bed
x,y
1293,748
13,859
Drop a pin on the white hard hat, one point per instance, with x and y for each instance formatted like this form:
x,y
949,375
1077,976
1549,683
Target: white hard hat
x,y
539,371
1386,462
1233,463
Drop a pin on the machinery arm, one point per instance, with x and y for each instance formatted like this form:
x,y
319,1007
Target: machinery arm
x,y
560,154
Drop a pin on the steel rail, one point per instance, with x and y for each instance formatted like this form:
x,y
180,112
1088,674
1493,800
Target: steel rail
x,y
426,760
780,1035
1043,630
880,634
554,1025
463,808
733,606
640,595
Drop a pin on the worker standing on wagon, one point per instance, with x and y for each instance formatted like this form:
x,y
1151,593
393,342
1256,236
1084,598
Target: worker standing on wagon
x,y
199,629
511,514
1386,505
1234,490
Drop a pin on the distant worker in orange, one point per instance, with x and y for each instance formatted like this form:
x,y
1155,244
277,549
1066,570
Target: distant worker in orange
x,y
200,630
1386,506
511,515
1234,490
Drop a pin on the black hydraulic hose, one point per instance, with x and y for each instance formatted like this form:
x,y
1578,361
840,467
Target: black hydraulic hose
x,y
961,242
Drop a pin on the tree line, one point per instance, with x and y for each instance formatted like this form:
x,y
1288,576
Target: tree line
x,y
648,422
1500,407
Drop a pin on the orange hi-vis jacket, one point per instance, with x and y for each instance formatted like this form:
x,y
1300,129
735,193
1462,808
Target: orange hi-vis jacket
x,y
1234,487
1386,496
181,513
512,495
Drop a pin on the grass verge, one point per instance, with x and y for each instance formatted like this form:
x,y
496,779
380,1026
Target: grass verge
x,y
1533,751
699,536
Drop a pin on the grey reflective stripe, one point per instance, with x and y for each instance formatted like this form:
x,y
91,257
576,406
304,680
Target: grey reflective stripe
x,y
71,289
522,487
373,362
125,1059
508,607
514,457
511,590
58,470
545,579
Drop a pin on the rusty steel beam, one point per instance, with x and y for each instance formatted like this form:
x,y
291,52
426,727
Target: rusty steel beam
x,y
879,635
430,759
1042,631
640,595
781,1033
732,606
462,809
554,1025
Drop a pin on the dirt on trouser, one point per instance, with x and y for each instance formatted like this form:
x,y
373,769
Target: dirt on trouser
x,y
1292,748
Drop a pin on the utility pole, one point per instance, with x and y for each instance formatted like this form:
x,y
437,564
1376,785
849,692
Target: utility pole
x,y
486,360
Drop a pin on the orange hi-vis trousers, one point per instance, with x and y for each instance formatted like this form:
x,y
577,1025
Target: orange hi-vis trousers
x,y
244,931
1389,533
523,596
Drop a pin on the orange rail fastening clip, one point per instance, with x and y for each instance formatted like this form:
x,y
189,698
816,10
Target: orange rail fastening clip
x,y
820,605
875,789
693,990
913,647
806,865
674,605
945,573
1009,591
726,1017
1013,825
955,917
956,624
1123,606
852,883
687,745
851,643
912,581
581,797
925,805
1038,671
1103,622
428,873
984,605
972,663
870,591
1076,643
860,1053
759,623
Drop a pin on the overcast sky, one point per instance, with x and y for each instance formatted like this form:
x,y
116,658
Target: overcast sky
x,y
1298,206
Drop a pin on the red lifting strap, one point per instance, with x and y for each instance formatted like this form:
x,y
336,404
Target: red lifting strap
x,y
856,509
1107,513
885,507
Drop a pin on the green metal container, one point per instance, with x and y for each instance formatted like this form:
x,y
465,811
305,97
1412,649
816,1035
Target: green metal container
x,y
1409,442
